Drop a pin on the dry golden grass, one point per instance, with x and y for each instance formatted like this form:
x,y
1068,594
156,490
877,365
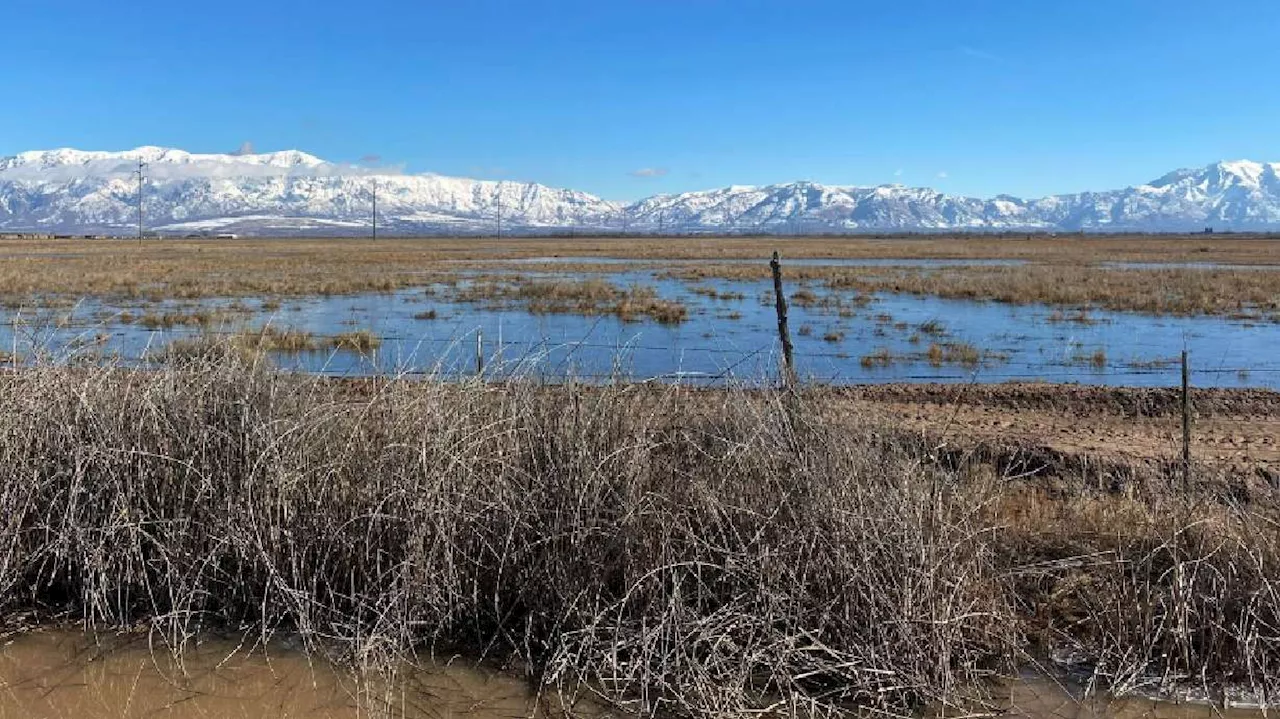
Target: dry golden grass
x,y
1063,272
1242,294
200,268
183,317
276,339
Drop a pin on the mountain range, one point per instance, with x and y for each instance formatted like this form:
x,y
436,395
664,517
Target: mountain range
x,y
292,192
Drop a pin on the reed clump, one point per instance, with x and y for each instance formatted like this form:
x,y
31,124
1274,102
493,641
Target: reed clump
x,y
671,554
674,551
961,353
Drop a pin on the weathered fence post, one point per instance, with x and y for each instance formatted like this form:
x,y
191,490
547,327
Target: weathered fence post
x,y
1186,423
479,352
788,368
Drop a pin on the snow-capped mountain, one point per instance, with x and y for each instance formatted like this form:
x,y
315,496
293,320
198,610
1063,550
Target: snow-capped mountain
x,y
277,192
1227,195
293,192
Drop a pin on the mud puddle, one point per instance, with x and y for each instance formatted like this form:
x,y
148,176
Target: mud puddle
x,y
64,675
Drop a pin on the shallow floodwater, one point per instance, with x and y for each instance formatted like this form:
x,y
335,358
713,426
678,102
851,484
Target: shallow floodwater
x,y
66,675
841,338
71,676
1038,697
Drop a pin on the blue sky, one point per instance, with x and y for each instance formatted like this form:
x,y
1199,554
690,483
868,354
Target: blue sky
x,y
626,98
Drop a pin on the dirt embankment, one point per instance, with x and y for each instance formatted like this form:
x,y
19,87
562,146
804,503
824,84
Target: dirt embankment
x,y
1237,431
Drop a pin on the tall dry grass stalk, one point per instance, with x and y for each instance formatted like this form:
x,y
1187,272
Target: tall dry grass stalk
x,y
672,550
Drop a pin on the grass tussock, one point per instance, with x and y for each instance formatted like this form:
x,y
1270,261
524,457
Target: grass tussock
x,y
881,357
576,296
715,293
959,353
938,354
1097,359
676,551
1080,317
271,338
169,320
362,341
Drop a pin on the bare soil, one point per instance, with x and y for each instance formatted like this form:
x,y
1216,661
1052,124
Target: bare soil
x,y
1233,430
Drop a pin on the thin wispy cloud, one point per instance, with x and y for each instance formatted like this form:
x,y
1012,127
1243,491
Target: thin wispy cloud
x,y
371,160
897,173
979,53
649,172
942,175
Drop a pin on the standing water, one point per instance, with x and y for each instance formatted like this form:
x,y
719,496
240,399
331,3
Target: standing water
x,y
729,333
61,675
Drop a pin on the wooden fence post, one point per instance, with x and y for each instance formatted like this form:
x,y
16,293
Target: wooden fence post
x,y
788,368
1186,423
479,352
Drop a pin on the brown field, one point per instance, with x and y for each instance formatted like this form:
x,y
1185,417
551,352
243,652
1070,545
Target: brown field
x,y
1062,273
1250,294
1235,433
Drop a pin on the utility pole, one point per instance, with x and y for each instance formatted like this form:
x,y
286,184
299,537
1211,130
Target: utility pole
x,y
375,209
662,218
141,166
499,209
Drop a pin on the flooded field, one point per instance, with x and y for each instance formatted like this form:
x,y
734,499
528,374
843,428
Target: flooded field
x,y
726,330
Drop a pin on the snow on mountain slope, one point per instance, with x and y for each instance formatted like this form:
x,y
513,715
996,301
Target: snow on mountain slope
x,y
280,192
62,189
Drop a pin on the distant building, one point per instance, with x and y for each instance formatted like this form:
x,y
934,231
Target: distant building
x,y
226,236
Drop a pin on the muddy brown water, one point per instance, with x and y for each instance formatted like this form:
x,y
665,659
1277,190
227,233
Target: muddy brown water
x,y
1040,698
69,675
